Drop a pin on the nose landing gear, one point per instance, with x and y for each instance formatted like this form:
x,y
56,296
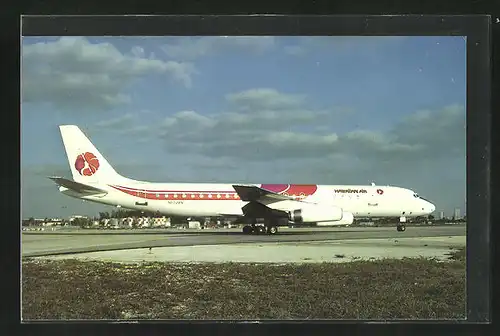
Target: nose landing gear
x,y
401,226
272,230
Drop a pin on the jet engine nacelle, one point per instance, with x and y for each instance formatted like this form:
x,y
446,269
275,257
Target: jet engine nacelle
x,y
310,213
347,219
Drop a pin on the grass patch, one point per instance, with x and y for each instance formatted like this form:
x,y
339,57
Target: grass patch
x,y
459,254
382,289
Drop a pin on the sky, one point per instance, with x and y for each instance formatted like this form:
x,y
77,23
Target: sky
x,y
247,109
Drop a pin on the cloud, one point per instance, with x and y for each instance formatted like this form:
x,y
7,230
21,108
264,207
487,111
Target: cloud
x,y
137,51
261,124
446,127
195,47
342,44
72,72
265,98
266,124
120,122
128,124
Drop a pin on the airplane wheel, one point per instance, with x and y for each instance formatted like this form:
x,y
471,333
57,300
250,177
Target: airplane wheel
x,y
401,227
247,229
272,230
254,230
260,229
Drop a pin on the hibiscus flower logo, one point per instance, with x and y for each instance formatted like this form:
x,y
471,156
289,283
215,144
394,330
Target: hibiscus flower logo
x,y
86,164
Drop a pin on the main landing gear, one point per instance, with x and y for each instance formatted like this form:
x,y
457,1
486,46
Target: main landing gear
x,y
260,229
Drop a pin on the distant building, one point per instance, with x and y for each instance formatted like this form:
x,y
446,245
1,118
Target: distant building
x,y
457,214
114,223
194,225
441,214
53,221
161,222
143,222
128,222
72,218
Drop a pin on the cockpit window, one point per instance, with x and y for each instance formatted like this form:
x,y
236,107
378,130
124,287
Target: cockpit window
x,y
420,197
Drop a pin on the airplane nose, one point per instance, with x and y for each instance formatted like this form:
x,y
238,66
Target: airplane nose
x,y
432,207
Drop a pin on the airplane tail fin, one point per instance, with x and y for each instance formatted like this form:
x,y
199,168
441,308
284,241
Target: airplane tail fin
x,y
86,162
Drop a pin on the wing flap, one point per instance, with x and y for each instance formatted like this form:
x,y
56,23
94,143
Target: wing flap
x,y
77,187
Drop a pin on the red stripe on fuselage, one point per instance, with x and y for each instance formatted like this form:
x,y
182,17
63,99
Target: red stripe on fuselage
x,y
173,191
299,190
181,195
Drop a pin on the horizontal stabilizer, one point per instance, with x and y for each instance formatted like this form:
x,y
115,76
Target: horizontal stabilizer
x,y
249,193
77,187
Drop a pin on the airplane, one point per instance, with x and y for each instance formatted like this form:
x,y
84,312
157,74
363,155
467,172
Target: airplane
x,y
95,180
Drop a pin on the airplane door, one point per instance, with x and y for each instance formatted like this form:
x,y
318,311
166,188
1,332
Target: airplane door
x,y
338,199
374,201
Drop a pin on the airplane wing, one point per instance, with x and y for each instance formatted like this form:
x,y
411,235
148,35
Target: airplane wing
x,y
249,193
261,202
77,187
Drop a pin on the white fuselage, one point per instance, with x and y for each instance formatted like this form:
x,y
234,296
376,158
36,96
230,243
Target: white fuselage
x,y
94,179
211,200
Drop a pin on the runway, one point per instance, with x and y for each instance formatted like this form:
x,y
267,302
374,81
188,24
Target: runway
x,y
291,244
